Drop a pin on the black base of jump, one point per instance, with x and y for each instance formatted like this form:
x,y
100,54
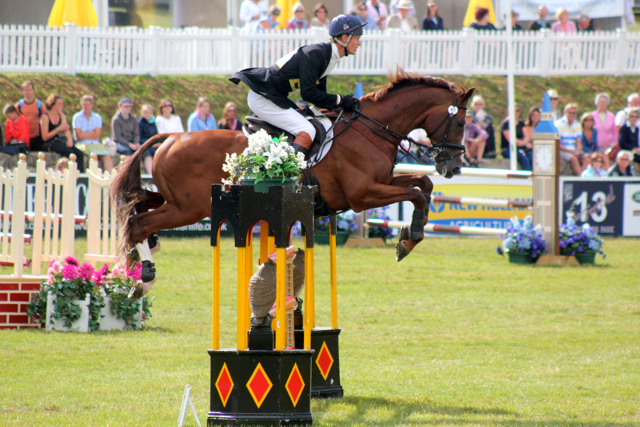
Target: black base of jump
x,y
325,369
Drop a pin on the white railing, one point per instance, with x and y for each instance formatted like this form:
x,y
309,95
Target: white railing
x,y
225,50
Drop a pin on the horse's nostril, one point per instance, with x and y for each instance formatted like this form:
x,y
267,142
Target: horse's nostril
x,y
457,171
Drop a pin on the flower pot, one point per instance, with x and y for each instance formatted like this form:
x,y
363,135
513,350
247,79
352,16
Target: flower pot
x,y
521,258
586,257
80,325
263,186
109,321
322,237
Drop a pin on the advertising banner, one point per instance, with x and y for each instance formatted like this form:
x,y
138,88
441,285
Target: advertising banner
x,y
528,9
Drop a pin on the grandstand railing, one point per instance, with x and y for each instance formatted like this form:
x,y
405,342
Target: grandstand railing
x,y
158,51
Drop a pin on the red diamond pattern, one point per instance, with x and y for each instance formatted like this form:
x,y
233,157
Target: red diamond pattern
x,y
224,384
259,385
324,360
295,385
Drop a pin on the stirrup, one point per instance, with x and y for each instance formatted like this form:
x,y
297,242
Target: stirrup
x,y
299,148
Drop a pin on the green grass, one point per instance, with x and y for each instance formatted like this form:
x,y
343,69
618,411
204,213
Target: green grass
x,y
453,335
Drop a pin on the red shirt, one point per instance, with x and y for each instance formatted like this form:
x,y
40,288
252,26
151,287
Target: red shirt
x,y
19,130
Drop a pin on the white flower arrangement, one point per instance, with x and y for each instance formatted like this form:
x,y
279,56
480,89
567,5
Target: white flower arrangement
x,y
265,157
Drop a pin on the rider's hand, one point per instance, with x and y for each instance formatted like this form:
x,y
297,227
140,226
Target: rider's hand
x,y
348,102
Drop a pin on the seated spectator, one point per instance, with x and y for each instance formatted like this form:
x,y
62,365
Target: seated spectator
x,y
584,24
485,121
201,119
524,147
533,118
125,128
604,123
251,11
622,167
595,169
571,139
297,22
482,20
365,18
320,17
87,128
432,20
53,123
633,102
167,121
16,132
270,22
148,128
475,139
229,117
378,11
514,21
628,137
563,25
402,20
62,164
541,22
590,137
32,108
553,98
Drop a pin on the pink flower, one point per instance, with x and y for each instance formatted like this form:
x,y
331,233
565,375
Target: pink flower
x,y
117,271
72,261
135,274
100,275
70,272
55,266
86,271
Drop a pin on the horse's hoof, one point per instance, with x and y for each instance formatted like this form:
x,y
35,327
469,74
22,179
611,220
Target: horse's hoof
x,y
154,243
133,255
404,234
148,273
136,292
401,251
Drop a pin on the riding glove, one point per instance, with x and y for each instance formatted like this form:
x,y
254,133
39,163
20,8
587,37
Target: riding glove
x,y
349,102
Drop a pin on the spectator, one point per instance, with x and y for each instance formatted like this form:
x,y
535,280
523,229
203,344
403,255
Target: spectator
x,y
533,118
553,97
393,8
629,134
297,22
482,20
270,22
378,11
622,166
365,18
167,121
475,139
16,132
320,17
633,101
201,119
52,124
595,170
229,118
125,128
604,123
251,11
148,126
584,24
420,136
590,136
514,21
87,128
541,22
32,108
62,164
402,20
563,25
432,20
485,121
571,139
524,147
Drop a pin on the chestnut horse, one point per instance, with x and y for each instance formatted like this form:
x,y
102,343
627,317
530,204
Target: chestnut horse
x,y
357,173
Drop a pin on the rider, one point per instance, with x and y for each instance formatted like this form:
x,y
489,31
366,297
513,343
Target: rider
x,y
305,69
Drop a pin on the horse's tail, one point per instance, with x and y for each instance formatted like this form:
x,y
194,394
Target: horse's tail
x,y
127,192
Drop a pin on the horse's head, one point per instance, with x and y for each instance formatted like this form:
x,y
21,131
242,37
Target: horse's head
x,y
447,139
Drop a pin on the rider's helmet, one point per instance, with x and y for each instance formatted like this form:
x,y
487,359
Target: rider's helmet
x,y
346,24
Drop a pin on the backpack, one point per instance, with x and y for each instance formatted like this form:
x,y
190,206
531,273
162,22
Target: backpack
x,y
21,102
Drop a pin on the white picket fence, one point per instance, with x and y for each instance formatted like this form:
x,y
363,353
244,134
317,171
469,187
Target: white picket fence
x,y
225,50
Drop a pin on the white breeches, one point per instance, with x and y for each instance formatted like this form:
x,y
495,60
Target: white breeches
x,y
287,119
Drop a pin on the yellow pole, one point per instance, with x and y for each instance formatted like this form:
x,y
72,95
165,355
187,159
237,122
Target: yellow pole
x,y
215,300
248,273
281,294
308,294
241,330
264,241
334,282
271,245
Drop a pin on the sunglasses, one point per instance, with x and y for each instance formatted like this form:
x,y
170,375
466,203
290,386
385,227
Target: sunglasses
x,y
633,117
554,99
572,112
299,11
232,110
363,8
623,159
167,105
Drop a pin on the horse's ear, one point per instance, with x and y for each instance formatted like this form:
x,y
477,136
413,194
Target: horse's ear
x,y
466,96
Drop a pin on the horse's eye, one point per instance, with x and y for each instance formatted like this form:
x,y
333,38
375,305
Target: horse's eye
x,y
460,124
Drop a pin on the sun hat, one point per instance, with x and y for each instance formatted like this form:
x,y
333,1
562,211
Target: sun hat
x,y
125,102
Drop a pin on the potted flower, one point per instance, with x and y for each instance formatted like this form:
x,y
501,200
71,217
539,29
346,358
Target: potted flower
x,y
266,161
581,242
379,232
523,242
119,311
344,226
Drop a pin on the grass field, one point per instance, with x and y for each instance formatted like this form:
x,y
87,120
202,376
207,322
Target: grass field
x,y
454,336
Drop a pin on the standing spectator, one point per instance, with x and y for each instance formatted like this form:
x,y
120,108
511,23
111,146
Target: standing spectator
x,y
363,14
595,169
320,17
590,136
229,118
629,134
297,22
622,166
533,118
201,119
633,102
87,128
553,97
482,20
541,22
167,121
563,25
393,8
148,128
251,11
485,121
32,108
605,123
571,139
402,20
52,124
270,22
432,20
524,147
126,131
378,11
584,24
475,139
16,132
514,21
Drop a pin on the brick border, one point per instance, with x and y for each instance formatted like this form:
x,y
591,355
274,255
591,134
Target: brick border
x,y
15,296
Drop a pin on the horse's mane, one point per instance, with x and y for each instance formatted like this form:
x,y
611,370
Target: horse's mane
x,y
402,79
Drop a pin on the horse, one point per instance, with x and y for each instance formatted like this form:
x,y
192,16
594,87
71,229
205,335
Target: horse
x,y
356,173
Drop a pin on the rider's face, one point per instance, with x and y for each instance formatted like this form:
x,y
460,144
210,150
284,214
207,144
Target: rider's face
x,y
353,45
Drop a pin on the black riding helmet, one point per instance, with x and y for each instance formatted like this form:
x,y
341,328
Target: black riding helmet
x,y
345,24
